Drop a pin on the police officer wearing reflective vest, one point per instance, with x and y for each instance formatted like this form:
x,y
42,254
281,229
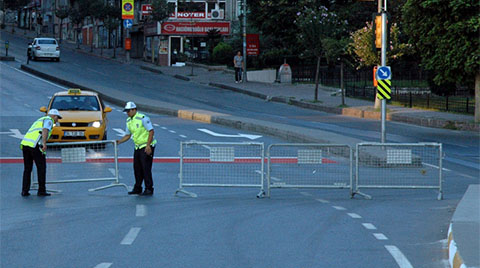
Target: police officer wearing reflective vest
x,y
34,147
140,128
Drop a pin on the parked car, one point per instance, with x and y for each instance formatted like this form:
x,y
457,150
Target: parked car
x,y
83,116
43,48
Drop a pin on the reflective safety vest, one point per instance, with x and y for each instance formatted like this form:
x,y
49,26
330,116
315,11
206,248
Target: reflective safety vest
x,y
138,131
34,134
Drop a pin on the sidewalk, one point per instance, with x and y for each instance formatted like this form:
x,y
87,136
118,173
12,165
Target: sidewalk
x,y
329,99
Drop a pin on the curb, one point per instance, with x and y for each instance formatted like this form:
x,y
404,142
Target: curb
x,y
454,258
361,113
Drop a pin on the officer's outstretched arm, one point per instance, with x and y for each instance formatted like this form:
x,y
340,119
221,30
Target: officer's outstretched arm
x,y
124,139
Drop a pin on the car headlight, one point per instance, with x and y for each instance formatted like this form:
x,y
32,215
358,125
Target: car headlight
x,y
95,124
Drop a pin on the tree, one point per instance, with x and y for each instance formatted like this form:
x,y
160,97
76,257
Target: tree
x,y
62,13
361,47
159,10
317,27
445,33
111,22
96,11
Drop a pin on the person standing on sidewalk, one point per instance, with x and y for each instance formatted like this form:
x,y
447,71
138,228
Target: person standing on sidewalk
x,y
140,127
34,148
238,65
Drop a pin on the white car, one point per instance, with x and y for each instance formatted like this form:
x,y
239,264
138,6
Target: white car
x,y
44,48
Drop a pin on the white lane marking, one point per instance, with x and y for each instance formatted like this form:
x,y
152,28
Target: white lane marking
x,y
380,236
369,226
163,128
401,260
172,131
130,237
339,208
27,105
93,70
141,211
354,215
275,178
323,201
104,265
183,136
239,135
305,194
43,80
467,176
156,125
430,165
120,132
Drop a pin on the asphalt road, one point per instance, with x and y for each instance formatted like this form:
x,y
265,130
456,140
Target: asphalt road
x,y
223,227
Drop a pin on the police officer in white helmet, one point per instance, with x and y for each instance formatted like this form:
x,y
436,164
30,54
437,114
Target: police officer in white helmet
x,y
34,148
140,128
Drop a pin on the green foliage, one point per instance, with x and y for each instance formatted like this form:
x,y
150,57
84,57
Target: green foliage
x,y
361,47
62,12
222,53
214,37
112,19
159,10
316,25
446,35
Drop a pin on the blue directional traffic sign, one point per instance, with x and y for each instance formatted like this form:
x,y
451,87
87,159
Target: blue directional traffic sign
x,y
127,23
384,73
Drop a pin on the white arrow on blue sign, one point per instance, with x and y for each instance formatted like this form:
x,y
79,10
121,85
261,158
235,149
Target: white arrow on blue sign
x,y
127,23
384,73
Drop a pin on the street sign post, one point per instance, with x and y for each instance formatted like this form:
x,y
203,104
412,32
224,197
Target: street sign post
x,y
127,23
384,73
127,9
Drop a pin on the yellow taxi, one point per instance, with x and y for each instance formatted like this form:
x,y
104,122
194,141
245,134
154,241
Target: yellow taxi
x,y
83,113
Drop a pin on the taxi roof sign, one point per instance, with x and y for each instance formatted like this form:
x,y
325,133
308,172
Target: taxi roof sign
x,y
74,91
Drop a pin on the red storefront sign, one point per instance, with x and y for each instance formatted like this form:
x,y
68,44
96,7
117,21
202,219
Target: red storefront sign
x,y
189,15
194,28
253,44
146,9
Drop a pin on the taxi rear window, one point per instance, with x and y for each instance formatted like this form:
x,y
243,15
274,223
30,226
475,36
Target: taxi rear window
x,y
75,103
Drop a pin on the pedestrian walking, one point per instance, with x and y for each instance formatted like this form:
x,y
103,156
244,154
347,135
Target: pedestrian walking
x,y
238,65
140,128
34,148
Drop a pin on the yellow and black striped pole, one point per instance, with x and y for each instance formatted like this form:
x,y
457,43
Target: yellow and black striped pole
x,y
384,89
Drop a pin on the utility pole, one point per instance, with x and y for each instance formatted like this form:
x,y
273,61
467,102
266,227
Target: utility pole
x,y
245,40
384,63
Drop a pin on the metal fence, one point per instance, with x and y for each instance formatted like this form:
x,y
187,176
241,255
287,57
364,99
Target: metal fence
x,y
397,166
73,162
309,166
218,164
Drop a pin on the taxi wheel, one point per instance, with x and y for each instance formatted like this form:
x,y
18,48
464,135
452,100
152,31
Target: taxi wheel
x,y
105,136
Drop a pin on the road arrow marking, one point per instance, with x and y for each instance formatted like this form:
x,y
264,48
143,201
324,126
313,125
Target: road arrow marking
x,y
239,135
15,133
120,132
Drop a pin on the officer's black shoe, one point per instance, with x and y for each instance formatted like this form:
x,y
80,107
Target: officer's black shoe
x,y
135,191
24,193
43,194
148,192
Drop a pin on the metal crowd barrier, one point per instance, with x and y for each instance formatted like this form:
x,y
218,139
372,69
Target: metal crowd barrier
x,y
73,162
399,166
218,164
297,165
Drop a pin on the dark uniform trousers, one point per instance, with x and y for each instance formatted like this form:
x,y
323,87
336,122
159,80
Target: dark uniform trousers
x,y
29,156
142,166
